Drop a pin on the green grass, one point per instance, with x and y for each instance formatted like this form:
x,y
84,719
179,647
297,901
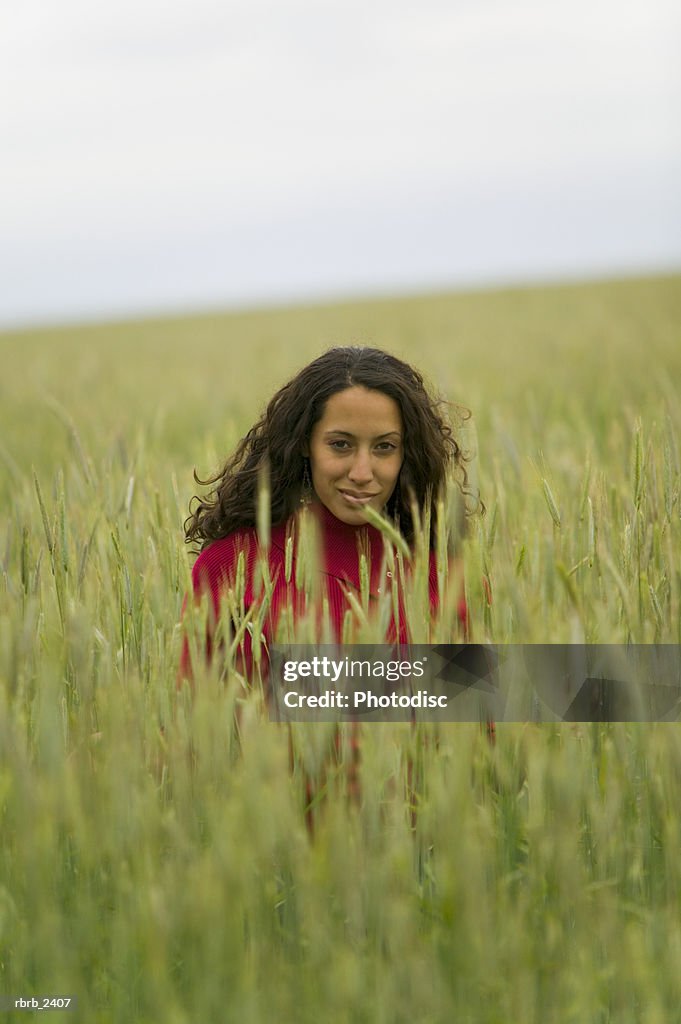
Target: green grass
x,y
155,860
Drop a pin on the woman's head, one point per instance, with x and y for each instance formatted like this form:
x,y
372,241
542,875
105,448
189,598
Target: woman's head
x,y
370,390
356,452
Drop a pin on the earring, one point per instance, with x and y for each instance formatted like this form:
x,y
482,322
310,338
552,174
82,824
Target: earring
x,y
306,488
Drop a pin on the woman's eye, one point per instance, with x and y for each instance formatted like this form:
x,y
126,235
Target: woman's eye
x,y
383,448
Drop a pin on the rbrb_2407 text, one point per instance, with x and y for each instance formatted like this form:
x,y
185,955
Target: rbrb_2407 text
x,y
43,1003
328,668
364,699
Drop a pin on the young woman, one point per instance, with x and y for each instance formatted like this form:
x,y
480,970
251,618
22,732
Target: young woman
x,y
354,431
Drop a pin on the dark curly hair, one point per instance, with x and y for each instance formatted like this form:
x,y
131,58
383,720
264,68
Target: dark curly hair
x,y
280,437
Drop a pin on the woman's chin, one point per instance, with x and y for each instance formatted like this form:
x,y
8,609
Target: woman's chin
x,y
351,517
346,514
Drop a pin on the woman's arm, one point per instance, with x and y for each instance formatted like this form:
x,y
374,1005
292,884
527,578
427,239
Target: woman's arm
x,y
217,569
455,576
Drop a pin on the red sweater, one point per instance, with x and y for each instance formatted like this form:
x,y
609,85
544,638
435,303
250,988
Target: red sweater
x,y
215,569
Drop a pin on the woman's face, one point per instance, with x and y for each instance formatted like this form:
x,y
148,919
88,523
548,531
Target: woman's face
x,y
356,452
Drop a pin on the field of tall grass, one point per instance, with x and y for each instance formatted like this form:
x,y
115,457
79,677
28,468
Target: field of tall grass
x,y
156,860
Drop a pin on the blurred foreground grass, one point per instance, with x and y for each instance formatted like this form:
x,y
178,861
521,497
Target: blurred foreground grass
x,y
155,862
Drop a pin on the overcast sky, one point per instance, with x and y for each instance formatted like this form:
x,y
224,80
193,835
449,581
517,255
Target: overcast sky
x,y
161,156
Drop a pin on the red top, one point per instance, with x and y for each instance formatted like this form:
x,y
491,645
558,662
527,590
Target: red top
x,y
341,545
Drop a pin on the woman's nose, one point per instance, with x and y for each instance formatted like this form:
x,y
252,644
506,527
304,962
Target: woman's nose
x,y
361,471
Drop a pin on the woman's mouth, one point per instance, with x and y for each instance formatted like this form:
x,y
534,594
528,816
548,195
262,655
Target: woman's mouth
x,y
356,499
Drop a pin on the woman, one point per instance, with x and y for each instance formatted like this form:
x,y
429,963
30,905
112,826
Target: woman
x,y
354,434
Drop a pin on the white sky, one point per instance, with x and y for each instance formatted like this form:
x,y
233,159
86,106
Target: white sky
x,y
180,155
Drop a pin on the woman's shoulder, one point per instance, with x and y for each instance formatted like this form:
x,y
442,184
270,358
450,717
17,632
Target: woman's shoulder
x,y
220,558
